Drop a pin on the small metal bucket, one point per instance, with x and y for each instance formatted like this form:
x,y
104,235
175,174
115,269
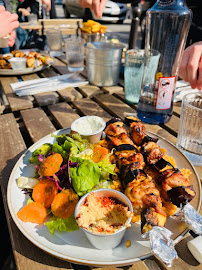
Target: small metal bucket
x,y
103,62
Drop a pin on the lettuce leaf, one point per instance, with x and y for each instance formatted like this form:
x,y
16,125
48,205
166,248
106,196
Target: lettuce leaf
x,y
106,167
85,176
69,142
103,184
63,225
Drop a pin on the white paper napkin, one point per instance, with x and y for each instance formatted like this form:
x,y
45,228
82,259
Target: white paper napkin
x,y
56,83
183,88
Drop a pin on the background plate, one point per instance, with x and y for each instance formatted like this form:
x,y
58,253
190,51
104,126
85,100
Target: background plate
x,y
74,246
24,71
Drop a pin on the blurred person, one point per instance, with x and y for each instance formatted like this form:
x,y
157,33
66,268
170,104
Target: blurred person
x,y
30,38
191,65
36,7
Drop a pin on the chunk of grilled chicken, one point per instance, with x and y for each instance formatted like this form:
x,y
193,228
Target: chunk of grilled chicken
x,y
151,218
176,187
151,152
137,132
114,130
143,194
134,161
119,139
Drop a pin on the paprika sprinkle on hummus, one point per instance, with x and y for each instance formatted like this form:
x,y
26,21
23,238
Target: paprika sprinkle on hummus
x,y
103,215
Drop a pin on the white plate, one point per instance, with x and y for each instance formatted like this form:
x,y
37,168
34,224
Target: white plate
x,y
15,72
74,246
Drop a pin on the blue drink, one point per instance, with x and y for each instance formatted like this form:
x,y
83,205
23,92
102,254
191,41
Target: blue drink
x,y
168,23
133,72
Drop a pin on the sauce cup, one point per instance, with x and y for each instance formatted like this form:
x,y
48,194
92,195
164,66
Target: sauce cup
x,y
18,62
106,241
90,127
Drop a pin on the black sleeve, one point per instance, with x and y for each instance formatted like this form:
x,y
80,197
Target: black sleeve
x,y
32,4
24,4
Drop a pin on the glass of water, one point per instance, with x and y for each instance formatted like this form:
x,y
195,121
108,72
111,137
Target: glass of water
x,y
189,138
32,19
54,41
74,53
133,73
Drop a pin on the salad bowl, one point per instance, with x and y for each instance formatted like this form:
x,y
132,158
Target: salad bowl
x,y
74,246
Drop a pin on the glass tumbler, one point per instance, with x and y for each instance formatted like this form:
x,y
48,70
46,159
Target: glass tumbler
x,y
189,139
32,19
133,73
54,41
74,53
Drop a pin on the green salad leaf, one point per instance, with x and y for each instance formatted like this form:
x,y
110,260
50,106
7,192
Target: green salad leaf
x,y
85,176
103,184
42,150
62,224
106,168
69,142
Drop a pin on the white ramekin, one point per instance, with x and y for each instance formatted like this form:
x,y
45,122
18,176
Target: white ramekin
x,y
18,62
92,137
105,241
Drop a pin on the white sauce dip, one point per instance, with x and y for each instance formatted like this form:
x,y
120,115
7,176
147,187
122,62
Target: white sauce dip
x,y
88,125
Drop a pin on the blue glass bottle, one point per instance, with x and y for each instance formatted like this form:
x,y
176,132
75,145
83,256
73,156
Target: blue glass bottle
x,y
167,26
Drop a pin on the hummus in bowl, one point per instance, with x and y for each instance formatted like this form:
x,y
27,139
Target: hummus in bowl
x,y
104,215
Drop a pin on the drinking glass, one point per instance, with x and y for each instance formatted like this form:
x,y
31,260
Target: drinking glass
x,y
54,41
133,72
189,138
74,53
32,19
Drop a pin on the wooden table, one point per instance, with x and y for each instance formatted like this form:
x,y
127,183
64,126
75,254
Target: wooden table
x,y
66,26
25,120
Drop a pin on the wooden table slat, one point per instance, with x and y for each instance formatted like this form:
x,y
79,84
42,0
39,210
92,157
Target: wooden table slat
x,y
113,89
60,66
47,98
90,90
177,108
11,140
16,103
70,94
37,123
114,106
63,114
47,73
173,125
88,107
42,99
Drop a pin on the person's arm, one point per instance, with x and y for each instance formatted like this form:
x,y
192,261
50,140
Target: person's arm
x,y
8,22
96,5
191,65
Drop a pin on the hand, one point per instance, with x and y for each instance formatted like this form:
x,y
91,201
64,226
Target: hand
x,y
96,5
191,65
24,12
12,37
48,4
8,22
